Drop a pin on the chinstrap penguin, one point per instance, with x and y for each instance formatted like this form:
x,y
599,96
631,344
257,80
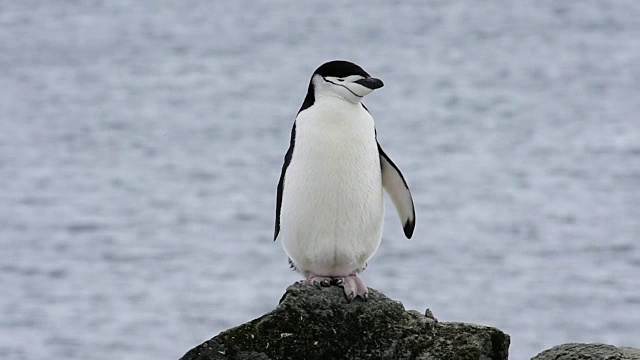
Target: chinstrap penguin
x,y
329,203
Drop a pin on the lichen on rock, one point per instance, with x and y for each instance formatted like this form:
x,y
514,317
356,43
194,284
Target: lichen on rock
x,y
578,351
312,323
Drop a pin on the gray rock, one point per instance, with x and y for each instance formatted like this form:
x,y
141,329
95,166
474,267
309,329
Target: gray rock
x,y
588,352
312,323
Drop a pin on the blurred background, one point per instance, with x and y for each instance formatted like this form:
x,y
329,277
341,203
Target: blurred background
x,y
141,144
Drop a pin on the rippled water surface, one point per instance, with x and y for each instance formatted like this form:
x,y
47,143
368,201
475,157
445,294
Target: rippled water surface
x,y
141,144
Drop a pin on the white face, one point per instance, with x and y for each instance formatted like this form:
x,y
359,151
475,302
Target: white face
x,y
344,87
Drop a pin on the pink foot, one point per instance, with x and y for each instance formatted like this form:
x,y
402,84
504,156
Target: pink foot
x,y
319,281
353,287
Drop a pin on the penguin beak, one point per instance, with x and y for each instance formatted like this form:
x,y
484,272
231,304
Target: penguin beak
x,y
370,83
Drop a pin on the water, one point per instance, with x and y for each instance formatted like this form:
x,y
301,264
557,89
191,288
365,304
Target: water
x,y
140,148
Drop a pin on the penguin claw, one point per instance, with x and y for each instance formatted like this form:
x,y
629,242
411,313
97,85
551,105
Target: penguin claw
x,y
350,297
319,281
353,287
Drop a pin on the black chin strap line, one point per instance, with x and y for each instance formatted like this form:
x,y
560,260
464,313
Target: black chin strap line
x,y
325,79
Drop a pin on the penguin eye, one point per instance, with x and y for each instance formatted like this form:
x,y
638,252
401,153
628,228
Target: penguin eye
x,y
341,80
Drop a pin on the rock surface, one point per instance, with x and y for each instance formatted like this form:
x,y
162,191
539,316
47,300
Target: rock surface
x,y
312,323
588,352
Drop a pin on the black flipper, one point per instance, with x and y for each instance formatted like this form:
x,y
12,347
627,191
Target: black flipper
x,y
285,165
395,185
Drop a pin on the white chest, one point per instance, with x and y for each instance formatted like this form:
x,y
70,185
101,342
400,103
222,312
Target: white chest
x,y
332,205
338,138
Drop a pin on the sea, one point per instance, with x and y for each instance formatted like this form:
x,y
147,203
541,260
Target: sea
x,y
141,143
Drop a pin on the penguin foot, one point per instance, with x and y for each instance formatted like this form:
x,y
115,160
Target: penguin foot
x,y
353,287
319,281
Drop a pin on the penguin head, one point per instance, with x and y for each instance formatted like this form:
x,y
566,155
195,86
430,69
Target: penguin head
x,y
343,79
